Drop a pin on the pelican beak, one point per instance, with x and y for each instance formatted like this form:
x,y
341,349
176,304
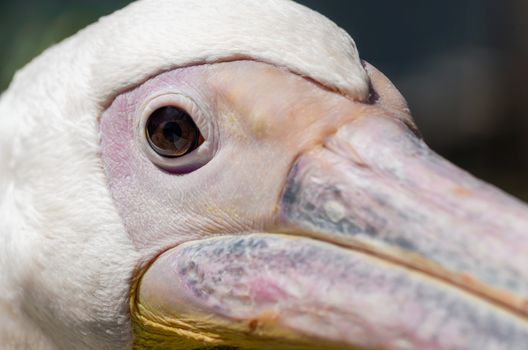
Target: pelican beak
x,y
377,243
381,244
378,188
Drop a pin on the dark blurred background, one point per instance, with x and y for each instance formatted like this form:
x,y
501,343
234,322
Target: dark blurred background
x,y
461,64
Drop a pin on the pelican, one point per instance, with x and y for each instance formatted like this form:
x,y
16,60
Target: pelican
x,y
230,175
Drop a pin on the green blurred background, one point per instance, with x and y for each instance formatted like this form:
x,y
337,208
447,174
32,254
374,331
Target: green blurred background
x,y
462,65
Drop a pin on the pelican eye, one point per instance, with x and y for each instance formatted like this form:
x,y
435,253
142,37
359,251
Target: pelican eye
x,y
172,133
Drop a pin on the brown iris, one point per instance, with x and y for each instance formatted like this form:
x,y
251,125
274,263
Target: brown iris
x,y
171,132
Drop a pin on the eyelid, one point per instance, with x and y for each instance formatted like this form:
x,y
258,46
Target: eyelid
x,y
195,159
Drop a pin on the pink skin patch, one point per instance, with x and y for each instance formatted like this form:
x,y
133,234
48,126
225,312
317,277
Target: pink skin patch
x,y
266,291
159,208
261,117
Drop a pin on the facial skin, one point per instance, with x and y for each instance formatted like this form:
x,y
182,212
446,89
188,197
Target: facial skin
x,y
270,113
403,253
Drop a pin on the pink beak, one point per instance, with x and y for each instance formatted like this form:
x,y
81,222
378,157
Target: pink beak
x,y
388,246
378,243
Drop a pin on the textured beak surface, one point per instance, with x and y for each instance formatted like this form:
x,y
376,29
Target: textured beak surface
x,y
380,244
377,187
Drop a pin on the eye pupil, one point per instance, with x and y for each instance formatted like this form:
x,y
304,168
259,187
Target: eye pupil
x,y
171,132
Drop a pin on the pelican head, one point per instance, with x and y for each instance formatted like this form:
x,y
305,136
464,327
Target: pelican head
x,y
230,175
